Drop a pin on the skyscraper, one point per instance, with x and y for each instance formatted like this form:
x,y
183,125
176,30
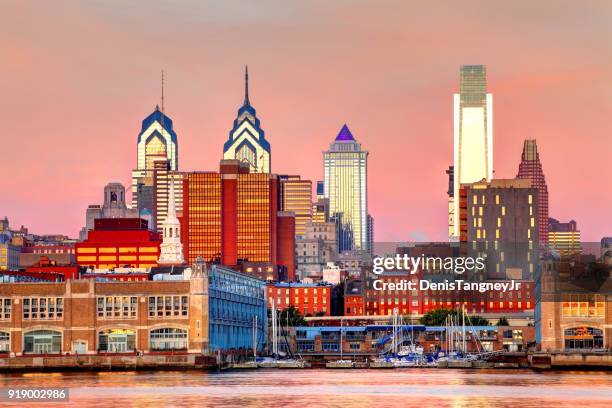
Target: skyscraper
x,y
157,148
247,142
296,197
346,186
234,216
531,168
473,134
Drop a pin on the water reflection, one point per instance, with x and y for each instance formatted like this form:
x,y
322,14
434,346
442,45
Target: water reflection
x,y
346,388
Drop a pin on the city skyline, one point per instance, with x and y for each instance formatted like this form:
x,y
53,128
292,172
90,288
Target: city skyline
x,y
561,102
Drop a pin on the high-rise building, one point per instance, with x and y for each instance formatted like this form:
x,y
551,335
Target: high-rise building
x,y
451,200
346,187
171,248
234,216
296,197
157,148
500,224
247,142
473,134
564,237
531,168
163,179
320,210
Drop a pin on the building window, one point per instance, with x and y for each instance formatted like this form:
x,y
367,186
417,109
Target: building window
x,y
5,342
168,306
117,341
43,308
5,308
42,342
117,307
168,338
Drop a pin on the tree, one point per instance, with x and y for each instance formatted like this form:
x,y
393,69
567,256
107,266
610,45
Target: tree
x,y
503,322
438,317
290,315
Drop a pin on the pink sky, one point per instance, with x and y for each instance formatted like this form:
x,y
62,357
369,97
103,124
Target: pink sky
x,y
76,79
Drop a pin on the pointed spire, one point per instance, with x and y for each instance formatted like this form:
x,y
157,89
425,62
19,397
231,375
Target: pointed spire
x,y
345,135
171,215
162,91
246,85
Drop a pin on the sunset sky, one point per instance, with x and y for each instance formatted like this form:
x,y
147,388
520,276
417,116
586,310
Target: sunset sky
x,y
77,78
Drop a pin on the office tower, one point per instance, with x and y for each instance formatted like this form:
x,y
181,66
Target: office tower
x,y
171,248
320,190
114,207
234,217
501,225
163,179
157,148
473,134
247,142
531,168
564,237
316,248
119,242
296,197
346,177
320,210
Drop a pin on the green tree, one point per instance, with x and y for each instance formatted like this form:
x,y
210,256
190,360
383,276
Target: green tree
x,y
290,315
438,317
503,322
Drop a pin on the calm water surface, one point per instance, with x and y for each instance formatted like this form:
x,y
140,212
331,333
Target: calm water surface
x,y
336,388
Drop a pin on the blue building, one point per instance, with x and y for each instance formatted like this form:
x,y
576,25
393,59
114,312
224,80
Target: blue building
x,y
234,301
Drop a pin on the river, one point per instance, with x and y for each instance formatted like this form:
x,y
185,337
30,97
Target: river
x,y
320,387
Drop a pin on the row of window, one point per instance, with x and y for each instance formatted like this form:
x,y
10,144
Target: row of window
x,y
109,341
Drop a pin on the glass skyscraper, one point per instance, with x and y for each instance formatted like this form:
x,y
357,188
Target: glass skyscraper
x,y
473,136
346,188
247,141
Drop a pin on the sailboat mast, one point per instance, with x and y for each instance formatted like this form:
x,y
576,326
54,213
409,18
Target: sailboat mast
x,y
463,324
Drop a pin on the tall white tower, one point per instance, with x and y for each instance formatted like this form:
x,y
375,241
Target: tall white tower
x,y
171,248
473,136
346,186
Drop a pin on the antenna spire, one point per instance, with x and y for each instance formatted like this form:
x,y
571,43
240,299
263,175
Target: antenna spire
x,y
246,85
162,91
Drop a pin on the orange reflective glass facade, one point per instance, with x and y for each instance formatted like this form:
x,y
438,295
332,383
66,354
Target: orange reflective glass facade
x,y
233,216
202,216
253,217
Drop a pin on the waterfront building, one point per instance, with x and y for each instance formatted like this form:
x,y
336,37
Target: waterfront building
x,y
119,242
247,142
362,342
473,134
296,197
345,167
531,168
171,248
206,311
114,207
499,221
564,237
157,143
242,221
573,306
310,299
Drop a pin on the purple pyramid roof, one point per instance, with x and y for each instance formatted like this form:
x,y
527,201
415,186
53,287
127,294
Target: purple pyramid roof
x,y
345,135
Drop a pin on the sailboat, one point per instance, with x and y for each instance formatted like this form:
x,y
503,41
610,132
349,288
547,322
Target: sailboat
x,y
401,355
342,363
274,361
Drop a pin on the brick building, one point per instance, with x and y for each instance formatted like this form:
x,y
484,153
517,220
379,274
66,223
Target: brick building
x,y
310,299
